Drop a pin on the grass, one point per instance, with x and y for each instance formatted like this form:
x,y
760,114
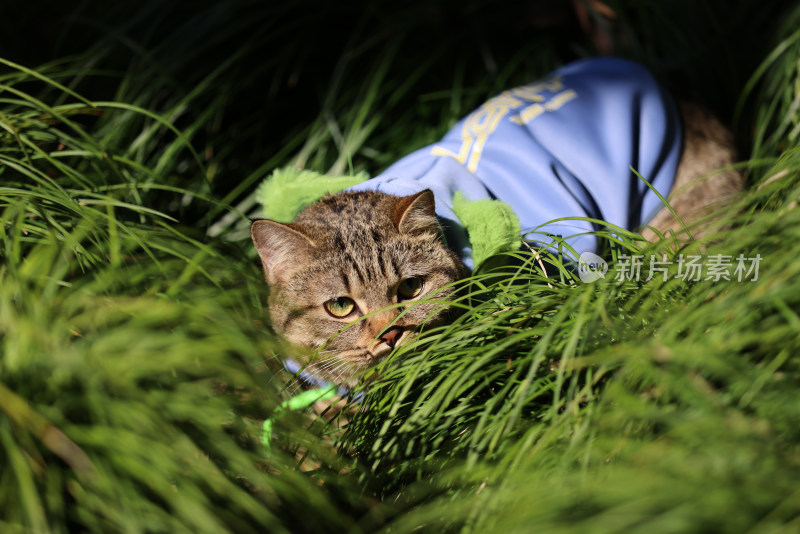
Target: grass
x,y
136,364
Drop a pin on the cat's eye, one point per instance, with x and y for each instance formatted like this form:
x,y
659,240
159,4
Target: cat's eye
x,y
340,306
410,287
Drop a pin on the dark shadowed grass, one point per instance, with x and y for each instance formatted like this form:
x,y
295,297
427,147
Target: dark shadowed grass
x,y
136,364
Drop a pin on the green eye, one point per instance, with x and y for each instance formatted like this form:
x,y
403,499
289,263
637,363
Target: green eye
x,y
340,306
410,287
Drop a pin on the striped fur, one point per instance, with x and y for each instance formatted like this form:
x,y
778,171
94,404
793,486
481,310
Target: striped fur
x,y
361,246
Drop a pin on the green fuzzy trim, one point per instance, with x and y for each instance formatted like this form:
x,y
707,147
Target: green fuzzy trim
x,y
288,191
492,226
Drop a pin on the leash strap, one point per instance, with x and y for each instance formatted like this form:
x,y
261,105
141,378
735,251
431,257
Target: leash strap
x,y
298,402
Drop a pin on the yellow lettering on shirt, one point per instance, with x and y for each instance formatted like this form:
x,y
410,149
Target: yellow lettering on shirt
x,y
560,99
482,122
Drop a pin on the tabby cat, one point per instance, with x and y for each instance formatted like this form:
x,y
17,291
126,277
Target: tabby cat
x,y
352,256
346,275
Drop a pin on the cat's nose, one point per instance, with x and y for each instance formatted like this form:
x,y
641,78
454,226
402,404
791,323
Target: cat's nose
x,y
392,336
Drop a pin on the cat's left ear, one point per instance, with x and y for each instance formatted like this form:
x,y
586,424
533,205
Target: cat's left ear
x,y
416,214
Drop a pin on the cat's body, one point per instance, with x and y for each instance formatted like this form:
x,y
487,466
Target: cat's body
x,y
705,182
345,275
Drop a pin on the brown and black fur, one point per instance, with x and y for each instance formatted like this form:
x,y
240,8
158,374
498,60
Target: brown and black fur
x,y
705,182
359,245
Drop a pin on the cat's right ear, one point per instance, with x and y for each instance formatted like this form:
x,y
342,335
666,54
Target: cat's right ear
x,y
281,248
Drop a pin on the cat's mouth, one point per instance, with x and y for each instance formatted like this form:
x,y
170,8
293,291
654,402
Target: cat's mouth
x,y
341,366
364,358
378,354
360,357
381,350
368,357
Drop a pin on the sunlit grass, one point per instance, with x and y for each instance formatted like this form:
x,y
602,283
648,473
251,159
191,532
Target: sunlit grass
x,y
136,362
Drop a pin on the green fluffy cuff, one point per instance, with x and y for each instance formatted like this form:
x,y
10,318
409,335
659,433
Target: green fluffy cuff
x,y
492,227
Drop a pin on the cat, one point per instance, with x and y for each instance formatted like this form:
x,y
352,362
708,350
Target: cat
x,y
352,256
346,275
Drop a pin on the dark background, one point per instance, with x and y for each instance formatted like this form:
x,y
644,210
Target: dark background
x,y
278,64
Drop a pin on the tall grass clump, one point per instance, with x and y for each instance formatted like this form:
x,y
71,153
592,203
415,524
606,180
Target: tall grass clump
x,y
136,362
133,365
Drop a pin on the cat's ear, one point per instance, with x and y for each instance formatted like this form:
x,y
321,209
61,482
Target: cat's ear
x,y
282,249
416,214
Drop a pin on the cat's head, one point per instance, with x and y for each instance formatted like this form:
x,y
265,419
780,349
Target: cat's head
x,y
349,256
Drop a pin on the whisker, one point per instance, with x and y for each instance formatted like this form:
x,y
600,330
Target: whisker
x,y
339,369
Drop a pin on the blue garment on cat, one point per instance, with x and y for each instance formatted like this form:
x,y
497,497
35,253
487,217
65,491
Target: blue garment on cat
x,y
562,147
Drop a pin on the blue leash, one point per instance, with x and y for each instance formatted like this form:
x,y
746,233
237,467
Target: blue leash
x,y
322,391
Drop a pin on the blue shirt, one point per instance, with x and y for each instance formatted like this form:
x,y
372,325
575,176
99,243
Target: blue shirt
x,y
561,147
